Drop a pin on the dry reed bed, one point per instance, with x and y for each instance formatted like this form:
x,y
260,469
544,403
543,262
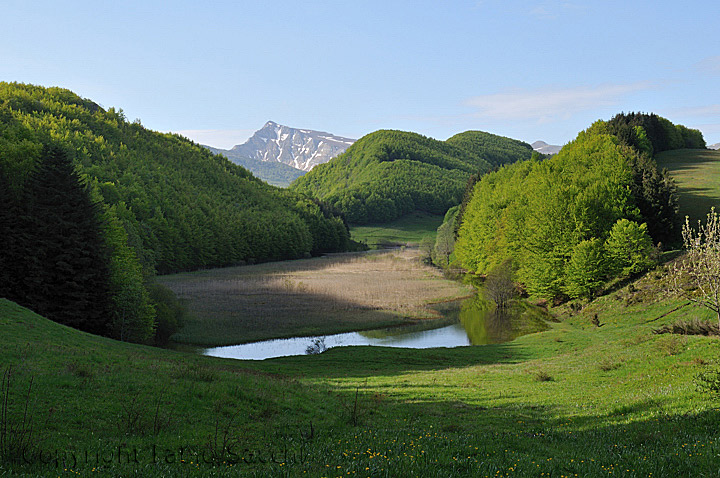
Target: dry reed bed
x,y
393,281
338,293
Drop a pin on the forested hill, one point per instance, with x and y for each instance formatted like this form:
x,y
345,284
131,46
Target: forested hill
x,y
598,211
496,150
387,174
182,206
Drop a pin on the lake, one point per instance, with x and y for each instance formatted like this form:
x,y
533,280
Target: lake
x,y
470,322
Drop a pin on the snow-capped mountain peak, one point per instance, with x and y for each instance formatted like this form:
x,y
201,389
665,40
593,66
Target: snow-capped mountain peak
x,y
300,148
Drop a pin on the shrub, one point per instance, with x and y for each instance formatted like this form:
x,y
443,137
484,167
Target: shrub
x,y
499,286
542,376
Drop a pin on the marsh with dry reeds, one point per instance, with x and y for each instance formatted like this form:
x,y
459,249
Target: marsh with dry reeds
x,y
330,294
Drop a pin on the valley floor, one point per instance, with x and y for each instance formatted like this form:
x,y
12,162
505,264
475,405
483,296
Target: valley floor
x,y
575,400
407,230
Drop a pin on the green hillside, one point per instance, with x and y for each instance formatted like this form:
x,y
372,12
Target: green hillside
x,y
494,149
697,174
589,215
93,206
182,206
388,174
576,399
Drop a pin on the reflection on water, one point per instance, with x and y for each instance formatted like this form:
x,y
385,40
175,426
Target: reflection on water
x,y
471,322
484,324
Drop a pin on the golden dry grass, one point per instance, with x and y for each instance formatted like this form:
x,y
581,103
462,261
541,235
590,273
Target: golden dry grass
x,y
340,292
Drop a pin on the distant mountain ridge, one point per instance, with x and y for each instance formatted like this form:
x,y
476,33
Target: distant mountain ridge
x,y
302,149
272,172
543,148
714,146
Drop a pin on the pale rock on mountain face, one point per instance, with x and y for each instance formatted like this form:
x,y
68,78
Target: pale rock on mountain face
x,y
543,148
714,146
300,148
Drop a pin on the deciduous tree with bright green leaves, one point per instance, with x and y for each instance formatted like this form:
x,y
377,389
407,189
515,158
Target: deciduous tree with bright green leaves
x,y
629,248
586,270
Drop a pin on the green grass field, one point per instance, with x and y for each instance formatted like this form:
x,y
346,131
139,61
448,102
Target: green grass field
x,y
697,173
408,230
574,400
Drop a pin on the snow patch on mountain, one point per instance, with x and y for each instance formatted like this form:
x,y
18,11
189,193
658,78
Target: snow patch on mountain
x,y
543,148
300,148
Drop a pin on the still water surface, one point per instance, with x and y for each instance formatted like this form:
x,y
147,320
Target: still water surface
x,y
472,322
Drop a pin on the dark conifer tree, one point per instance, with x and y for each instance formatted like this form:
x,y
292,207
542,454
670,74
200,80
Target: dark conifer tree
x,y
656,197
67,276
9,214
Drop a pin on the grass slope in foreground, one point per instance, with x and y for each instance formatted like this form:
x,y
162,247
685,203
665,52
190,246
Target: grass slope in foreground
x,y
101,407
577,399
697,174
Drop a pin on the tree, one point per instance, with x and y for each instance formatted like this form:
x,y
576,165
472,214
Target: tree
x,y
586,270
67,274
445,239
629,248
656,197
696,275
9,217
169,310
133,316
499,286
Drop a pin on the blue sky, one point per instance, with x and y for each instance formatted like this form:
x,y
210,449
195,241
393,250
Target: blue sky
x,y
216,71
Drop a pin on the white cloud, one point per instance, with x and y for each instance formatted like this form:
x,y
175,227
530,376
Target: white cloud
x,y
547,104
218,138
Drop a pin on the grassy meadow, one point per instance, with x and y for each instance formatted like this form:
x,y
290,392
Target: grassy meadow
x,y
407,230
577,399
330,294
696,172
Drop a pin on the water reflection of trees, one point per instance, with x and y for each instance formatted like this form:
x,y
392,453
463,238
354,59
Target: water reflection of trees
x,y
484,323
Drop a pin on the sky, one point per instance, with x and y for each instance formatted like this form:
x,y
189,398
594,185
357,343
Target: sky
x,y
215,71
